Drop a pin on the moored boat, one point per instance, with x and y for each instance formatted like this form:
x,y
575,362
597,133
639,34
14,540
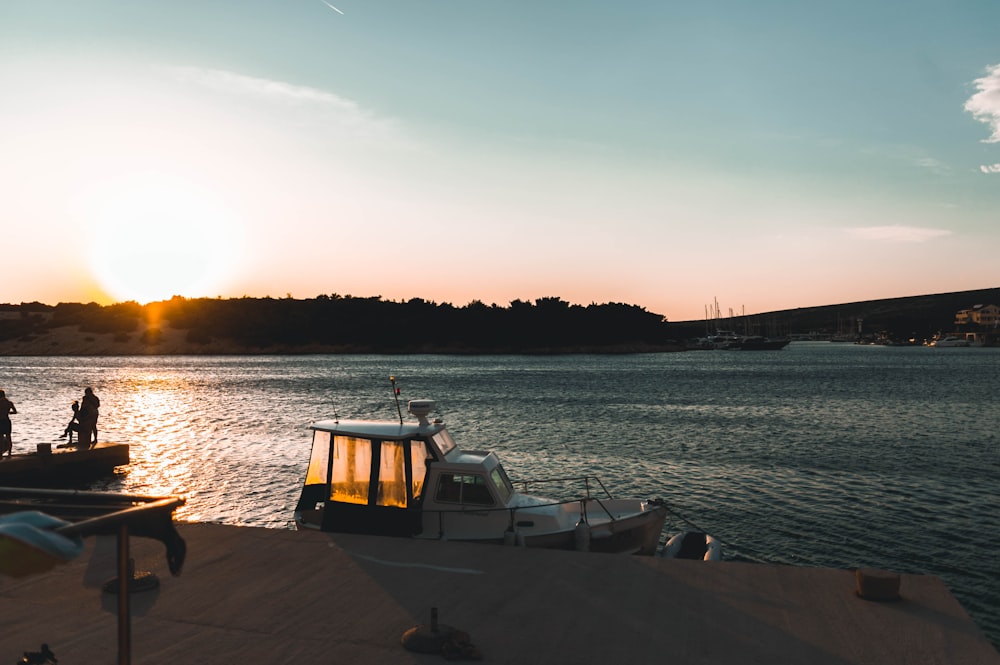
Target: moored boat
x,y
693,545
724,339
760,343
410,479
731,341
949,341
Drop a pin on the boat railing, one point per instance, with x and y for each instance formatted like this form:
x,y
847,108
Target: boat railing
x,y
585,480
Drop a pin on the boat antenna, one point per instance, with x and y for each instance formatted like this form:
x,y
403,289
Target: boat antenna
x,y
395,394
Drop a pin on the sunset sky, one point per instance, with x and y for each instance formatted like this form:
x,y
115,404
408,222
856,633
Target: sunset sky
x,y
767,155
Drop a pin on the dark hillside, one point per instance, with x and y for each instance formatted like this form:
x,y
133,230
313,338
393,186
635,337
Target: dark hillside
x,y
902,318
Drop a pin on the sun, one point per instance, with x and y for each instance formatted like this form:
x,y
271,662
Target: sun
x,y
154,236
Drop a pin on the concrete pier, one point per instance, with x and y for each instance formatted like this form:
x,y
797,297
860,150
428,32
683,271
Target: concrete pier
x,y
262,596
48,462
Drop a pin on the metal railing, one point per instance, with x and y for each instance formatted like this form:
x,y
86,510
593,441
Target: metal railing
x,y
121,515
582,479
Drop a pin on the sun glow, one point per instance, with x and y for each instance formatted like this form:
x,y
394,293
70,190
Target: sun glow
x,y
153,237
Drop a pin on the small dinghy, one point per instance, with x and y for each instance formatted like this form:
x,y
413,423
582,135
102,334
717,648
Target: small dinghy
x,y
693,545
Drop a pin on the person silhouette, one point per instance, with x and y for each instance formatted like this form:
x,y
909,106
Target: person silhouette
x,y
6,409
87,417
73,425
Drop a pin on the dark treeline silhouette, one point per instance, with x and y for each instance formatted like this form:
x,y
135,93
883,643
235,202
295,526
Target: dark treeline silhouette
x,y
350,324
347,324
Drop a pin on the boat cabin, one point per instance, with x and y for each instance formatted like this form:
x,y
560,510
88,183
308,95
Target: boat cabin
x,y
397,479
409,479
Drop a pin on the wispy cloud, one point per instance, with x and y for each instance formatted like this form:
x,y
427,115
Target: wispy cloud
x,y
990,168
897,233
344,112
933,165
907,154
230,82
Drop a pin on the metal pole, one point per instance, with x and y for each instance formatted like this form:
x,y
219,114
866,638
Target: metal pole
x,y
124,617
395,394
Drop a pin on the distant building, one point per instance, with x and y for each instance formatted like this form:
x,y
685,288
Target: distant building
x,y
984,316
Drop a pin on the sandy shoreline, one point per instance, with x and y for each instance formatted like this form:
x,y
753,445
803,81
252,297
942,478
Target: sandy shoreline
x,y
70,341
166,341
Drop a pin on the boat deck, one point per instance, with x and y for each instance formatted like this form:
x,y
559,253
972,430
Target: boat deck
x,y
256,596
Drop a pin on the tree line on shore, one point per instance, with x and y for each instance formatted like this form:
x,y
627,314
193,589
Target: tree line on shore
x,y
353,324
349,324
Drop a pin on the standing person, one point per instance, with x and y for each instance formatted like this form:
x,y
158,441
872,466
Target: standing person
x,y
6,409
87,417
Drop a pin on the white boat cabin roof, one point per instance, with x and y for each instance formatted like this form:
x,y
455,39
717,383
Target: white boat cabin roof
x,y
387,429
378,429
426,430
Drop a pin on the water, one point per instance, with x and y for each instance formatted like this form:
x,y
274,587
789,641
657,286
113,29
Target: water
x,y
821,454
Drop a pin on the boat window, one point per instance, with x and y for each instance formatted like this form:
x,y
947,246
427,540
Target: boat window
x,y
318,459
502,483
467,489
391,475
443,441
352,468
419,457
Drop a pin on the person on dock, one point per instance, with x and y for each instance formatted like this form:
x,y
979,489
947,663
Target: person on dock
x,y
6,409
73,425
87,418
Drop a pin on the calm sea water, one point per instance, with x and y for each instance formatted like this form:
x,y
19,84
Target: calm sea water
x,y
821,454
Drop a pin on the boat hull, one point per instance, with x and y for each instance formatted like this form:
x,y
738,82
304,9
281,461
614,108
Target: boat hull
x,y
763,344
633,534
636,534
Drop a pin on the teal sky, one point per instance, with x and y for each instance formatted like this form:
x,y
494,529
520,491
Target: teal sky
x,y
768,155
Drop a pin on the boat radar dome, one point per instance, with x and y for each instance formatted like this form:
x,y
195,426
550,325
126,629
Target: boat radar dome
x,y
420,408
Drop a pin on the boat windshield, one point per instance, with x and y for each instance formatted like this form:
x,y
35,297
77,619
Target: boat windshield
x,y
318,460
443,441
392,488
504,487
351,469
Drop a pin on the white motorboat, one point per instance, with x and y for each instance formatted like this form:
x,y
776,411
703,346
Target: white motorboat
x,y
950,340
410,479
693,545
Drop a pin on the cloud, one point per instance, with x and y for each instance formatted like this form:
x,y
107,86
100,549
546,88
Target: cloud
x,y
990,168
344,112
985,104
933,165
897,233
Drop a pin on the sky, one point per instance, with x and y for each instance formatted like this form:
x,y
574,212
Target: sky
x,y
762,156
